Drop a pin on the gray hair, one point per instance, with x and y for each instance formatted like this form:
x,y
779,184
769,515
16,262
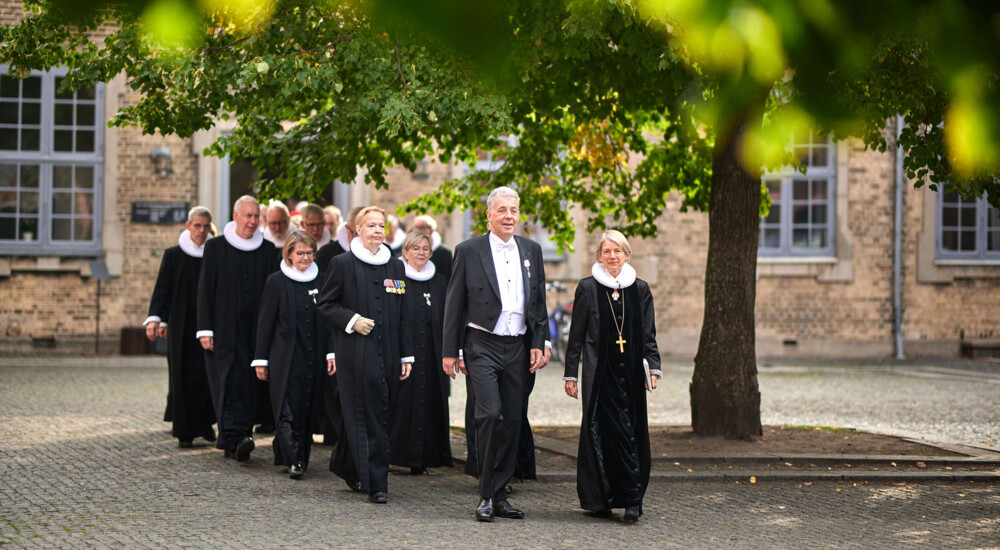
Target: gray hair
x,y
245,199
199,211
503,191
429,220
413,238
617,238
280,206
312,211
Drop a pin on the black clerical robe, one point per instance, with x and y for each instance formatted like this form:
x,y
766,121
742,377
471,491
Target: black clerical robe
x,y
294,338
419,430
614,459
229,291
328,420
367,364
175,302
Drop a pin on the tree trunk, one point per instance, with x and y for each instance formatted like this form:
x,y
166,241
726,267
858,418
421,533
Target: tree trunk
x,y
725,399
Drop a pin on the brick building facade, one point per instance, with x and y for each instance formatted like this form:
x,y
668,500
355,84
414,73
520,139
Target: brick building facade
x,y
825,284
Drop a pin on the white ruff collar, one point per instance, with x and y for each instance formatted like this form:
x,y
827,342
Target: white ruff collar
x,y
435,240
425,275
240,243
365,255
624,279
342,238
397,241
188,246
324,239
301,276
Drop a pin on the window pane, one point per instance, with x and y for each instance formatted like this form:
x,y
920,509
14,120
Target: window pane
x,y
83,204
8,139
949,240
83,230
8,226
85,141
992,220
774,214
968,241
85,93
61,230
800,190
800,214
8,202
62,176
84,177
818,238
31,113
820,157
968,216
31,140
28,229
800,238
62,203
949,216
8,112
9,87
29,203
8,175
62,95
29,176
802,154
63,140
819,213
993,241
819,190
32,87
772,238
63,114
84,115
774,190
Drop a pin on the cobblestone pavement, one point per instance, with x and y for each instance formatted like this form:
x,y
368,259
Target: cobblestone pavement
x,y
85,462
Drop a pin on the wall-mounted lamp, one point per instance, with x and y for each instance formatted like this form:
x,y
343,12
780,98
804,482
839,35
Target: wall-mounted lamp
x,y
163,162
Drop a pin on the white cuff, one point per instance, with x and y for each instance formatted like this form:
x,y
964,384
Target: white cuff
x,y
656,373
331,356
152,319
204,333
350,325
548,345
460,355
258,363
569,379
409,359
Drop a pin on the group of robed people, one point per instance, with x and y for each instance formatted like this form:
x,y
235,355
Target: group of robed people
x,y
353,339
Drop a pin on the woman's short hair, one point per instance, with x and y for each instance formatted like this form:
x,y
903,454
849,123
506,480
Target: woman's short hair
x,y
296,237
413,238
616,237
502,191
199,211
364,212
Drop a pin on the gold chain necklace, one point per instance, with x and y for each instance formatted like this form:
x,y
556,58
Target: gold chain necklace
x,y
620,341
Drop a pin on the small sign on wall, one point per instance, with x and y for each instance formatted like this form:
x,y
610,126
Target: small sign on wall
x,y
159,212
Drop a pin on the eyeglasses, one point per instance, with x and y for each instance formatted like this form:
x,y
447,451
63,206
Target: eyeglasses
x,y
424,249
306,254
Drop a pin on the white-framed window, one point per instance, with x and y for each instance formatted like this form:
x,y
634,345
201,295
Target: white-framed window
x,y
51,166
967,229
801,219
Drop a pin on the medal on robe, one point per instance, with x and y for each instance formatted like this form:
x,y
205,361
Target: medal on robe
x,y
427,296
615,295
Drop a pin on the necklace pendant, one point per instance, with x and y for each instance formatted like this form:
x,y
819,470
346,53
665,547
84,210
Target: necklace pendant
x,y
615,295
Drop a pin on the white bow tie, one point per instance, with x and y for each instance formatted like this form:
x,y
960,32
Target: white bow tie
x,y
507,246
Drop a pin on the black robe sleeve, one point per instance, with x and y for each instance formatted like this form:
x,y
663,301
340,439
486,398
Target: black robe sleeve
x,y
405,339
577,331
206,288
159,303
330,297
267,316
650,352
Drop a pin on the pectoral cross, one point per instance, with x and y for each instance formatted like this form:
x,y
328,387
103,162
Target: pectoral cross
x,y
621,343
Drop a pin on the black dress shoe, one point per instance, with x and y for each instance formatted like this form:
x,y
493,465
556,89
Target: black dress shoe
x,y
296,470
503,509
600,513
185,443
632,514
243,449
208,434
354,485
484,512
377,497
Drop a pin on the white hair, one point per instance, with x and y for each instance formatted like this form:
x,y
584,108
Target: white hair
x,y
199,211
430,221
245,199
280,206
502,191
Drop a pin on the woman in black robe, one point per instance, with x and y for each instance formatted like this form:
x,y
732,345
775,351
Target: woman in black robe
x,y
175,300
419,433
293,350
362,297
613,331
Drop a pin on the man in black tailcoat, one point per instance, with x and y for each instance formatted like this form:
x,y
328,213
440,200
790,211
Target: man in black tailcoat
x,y
233,273
495,318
